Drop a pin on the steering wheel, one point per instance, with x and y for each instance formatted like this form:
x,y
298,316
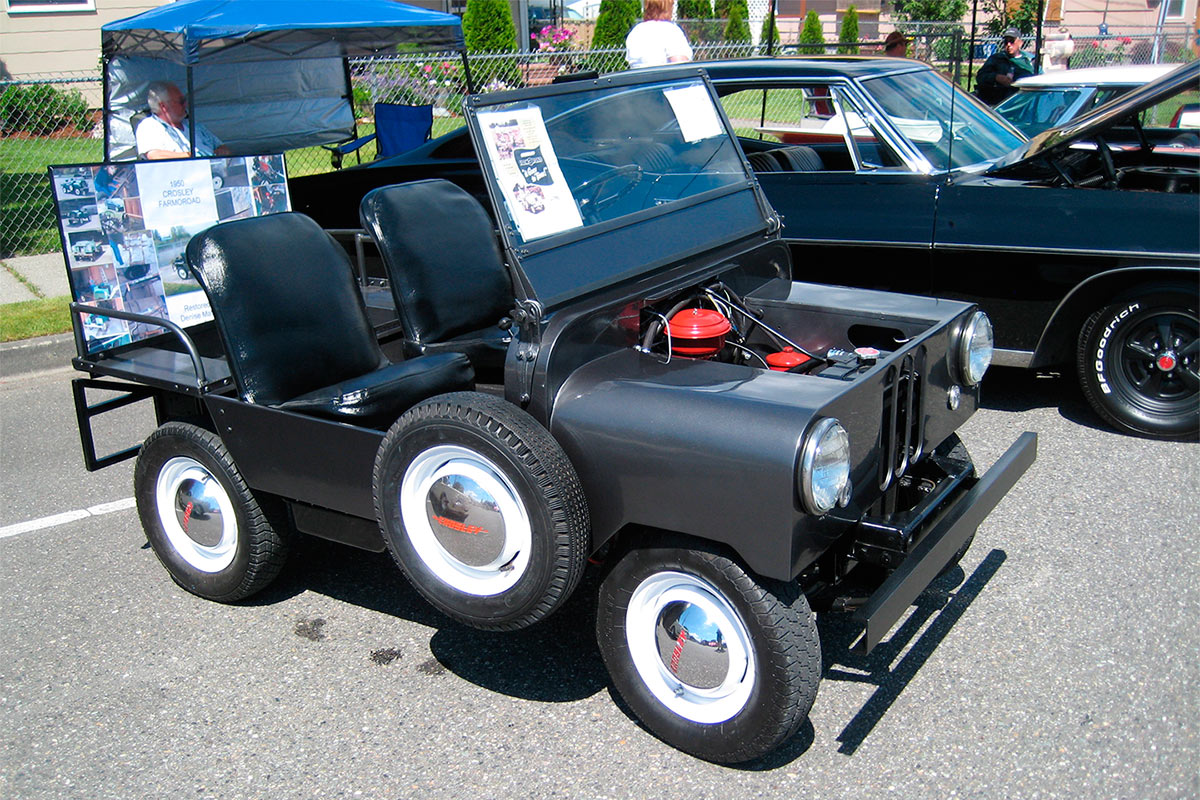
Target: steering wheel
x,y
588,193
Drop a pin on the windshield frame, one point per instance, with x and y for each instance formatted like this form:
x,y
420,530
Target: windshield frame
x,y
564,264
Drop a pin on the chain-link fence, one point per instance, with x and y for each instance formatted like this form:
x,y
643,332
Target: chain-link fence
x,y
51,119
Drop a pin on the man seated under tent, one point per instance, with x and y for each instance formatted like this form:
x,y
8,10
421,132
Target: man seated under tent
x,y
167,132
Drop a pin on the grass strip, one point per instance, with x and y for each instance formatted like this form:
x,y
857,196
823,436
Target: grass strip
x,y
30,318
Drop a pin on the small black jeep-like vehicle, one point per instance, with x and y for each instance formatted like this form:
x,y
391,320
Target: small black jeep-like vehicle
x,y
625,372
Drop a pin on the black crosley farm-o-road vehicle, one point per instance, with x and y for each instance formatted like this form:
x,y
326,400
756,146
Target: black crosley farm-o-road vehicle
x,y
626,371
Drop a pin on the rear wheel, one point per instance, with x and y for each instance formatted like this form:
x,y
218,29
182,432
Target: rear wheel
x,y
1139,364
207,528
714,661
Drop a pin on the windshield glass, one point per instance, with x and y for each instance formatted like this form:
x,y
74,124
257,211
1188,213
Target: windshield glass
x,y
573,160
1034,112
919,105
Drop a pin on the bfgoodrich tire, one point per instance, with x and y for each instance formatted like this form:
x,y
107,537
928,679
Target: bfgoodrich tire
x,y
481,510
1139,366
207,528
712,660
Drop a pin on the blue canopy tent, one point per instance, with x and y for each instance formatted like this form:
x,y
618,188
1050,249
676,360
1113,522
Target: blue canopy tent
x,y
263,75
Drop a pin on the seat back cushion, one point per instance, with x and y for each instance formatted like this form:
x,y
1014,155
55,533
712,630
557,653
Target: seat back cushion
x,y
442,258
286,304
800,158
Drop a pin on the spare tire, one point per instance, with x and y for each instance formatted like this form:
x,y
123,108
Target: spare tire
x,y
482,510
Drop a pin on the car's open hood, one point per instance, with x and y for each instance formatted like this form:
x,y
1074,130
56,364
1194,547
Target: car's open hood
x,y
1102,118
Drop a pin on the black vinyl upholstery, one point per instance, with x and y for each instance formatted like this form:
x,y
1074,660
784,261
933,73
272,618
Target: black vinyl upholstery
x,y
795,158
295,329
448,279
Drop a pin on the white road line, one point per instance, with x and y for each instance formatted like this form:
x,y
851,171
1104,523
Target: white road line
x,y
65,517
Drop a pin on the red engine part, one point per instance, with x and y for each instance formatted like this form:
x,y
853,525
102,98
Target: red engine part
x,y
786,359
698,332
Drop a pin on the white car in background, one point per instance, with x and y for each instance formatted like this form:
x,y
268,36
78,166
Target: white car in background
x,y
1053,98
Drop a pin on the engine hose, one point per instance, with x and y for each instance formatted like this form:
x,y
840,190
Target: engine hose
x,y
656,324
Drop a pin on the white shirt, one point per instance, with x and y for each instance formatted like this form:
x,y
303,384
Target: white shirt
x,y
154,134
652,42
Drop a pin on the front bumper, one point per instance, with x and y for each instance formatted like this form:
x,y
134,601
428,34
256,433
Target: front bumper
x,y
935,548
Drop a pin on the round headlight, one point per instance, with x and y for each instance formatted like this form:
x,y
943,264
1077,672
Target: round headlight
x,y
975,348
824,465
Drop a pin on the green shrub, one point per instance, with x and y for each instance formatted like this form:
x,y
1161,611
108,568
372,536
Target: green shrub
x,y
812,35
488,27
694,9
42,109
848,35
613,23
737,29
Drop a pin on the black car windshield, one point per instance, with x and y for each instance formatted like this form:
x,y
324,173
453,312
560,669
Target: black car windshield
x,y
920,105
581,158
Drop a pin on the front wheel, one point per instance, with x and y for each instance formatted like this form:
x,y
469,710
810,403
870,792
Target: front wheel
x,y
204,524
1139,364
481,510
712,660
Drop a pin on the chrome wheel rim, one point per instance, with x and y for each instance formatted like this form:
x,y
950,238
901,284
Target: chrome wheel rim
x,y
196,514
465,520
704,673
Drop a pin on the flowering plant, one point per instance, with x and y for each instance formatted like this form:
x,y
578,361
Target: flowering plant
x,y
551,39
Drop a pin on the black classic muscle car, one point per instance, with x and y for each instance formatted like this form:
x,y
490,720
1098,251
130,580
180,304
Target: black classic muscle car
x,y
1081,244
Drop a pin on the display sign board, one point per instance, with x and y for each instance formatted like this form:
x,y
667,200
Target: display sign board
x,y
125,229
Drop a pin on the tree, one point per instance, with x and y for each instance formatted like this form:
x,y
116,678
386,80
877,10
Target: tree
x,y
848,35
694,9
488,27
1023,18
812,34
932,10
616,19
737,29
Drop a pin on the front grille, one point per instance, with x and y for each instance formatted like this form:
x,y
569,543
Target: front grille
x,y
903,430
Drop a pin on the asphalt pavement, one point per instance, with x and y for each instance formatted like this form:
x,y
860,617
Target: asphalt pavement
x,y
1059,661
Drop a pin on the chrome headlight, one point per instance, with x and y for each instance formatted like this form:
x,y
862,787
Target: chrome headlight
x,y
975,347
824,466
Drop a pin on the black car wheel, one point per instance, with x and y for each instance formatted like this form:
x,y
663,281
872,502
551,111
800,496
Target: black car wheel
x,y
211,533
712,660
515,546
1139,363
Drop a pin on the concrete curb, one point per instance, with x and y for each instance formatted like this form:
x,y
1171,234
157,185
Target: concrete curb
x,y
36,355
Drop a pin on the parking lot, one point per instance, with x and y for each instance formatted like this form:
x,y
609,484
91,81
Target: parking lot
x,y
1059,661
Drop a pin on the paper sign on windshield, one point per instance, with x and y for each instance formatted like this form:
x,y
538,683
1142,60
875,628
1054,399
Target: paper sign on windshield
x,y
527,172
693,108
125,228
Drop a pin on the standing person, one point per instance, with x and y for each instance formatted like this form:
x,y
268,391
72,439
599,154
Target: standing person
x,y
656,40
167,133
1008,64
895,45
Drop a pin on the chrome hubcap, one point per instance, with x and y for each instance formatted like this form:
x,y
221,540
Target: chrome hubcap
x,y
196,514
465,520
690,647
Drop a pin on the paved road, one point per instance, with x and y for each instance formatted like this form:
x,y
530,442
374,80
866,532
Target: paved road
x,y
1060,663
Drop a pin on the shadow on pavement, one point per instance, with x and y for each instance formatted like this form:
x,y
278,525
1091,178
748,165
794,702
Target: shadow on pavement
x,y
941,606
1010,389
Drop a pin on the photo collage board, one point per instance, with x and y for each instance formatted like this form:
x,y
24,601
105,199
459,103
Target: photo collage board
x,y
125,229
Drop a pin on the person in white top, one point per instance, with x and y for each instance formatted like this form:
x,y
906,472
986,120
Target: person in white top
x,y
656,40
167,133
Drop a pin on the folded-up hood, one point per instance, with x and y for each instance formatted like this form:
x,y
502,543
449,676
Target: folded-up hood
x,y
1103,118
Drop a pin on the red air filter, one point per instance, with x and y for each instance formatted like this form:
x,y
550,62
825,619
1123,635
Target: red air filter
x,y
698,332
785,359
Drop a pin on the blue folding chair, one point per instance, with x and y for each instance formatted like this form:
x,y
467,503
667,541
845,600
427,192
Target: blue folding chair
x,y
398,129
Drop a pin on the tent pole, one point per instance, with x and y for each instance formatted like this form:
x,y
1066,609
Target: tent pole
x,y
104,107
191,104
467,73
